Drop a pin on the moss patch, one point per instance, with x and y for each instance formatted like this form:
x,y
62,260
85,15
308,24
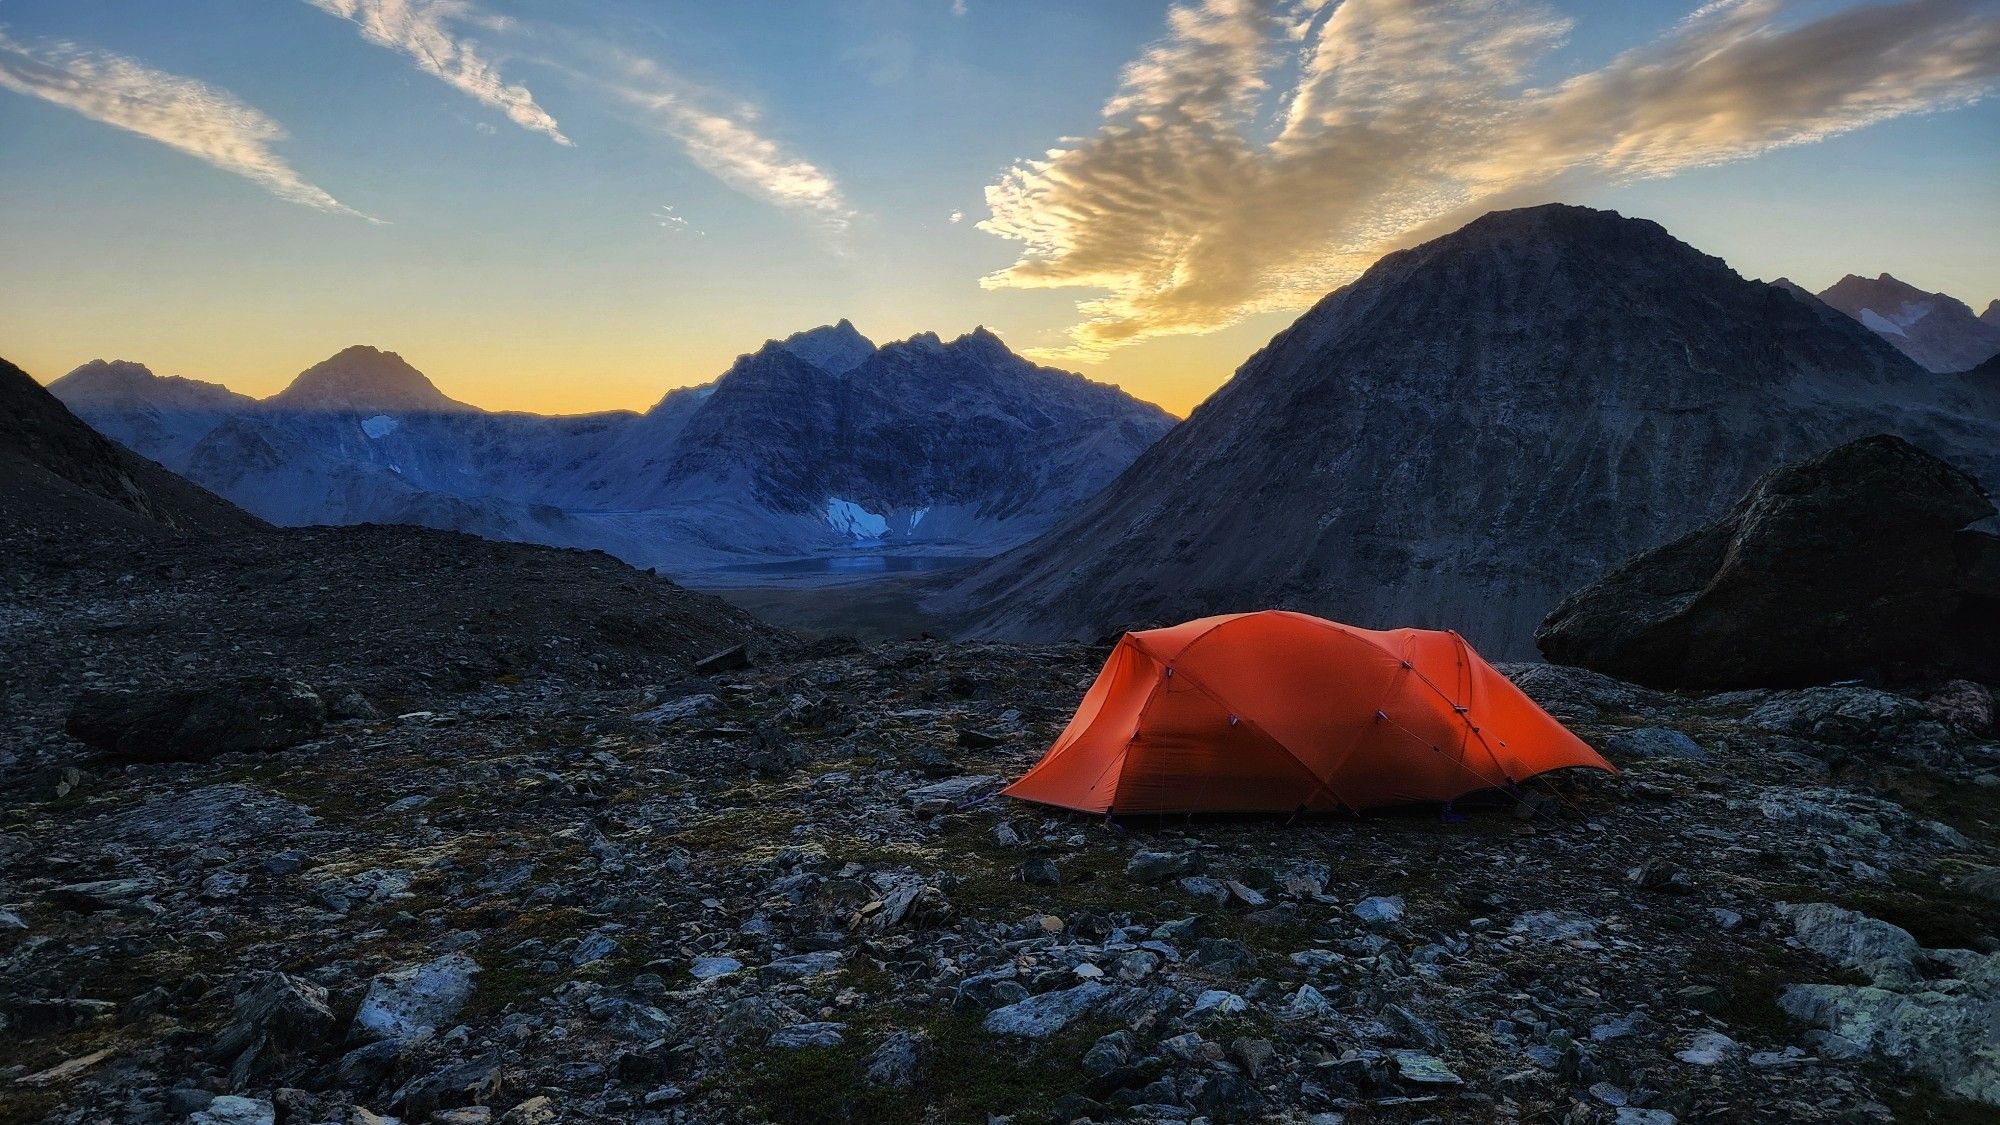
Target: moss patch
x,y
962,1075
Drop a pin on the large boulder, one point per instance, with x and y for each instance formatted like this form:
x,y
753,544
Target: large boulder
x,y
251,714
1857,562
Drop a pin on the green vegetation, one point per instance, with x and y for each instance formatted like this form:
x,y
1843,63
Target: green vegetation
x,y
962,1075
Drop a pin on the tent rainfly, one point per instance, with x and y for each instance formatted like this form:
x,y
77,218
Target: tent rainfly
x,y
1280,711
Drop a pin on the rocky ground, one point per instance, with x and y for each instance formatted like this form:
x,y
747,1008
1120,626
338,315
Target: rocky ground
x,y
520,882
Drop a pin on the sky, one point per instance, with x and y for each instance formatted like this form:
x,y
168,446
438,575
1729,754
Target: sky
x,y
576,207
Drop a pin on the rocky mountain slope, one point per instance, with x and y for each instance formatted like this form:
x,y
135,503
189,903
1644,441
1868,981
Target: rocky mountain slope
x,y
1938,331
784,893
354,824
1471,430
61,480
817,444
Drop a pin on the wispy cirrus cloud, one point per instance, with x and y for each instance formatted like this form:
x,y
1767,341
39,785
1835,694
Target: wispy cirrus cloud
x,y
1205,196
183,113
724,141
426,31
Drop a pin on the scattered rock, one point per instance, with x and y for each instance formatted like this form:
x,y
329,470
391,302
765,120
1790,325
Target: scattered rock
x,y
404,1001
229,1109
1424,1070
1157,867
1855,941
1378,911
1654,742
1039,1017
894,1063
808,1035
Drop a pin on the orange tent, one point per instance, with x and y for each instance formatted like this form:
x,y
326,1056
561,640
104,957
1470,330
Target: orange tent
x,y
1282,711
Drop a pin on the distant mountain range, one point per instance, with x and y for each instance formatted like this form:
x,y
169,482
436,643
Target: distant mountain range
x,y
1940,332
818,444
1473,429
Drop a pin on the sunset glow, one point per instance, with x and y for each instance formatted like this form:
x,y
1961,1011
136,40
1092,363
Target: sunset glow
x,y
578,210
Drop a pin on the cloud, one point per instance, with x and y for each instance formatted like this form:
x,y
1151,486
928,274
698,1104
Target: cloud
x,y
673,223
422,30
1205,195
956,217
725,142
183,113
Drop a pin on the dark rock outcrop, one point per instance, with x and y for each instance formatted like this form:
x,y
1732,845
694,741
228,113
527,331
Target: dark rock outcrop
x,y
1857,562
253,714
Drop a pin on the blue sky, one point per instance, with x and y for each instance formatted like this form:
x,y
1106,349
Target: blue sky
x,y
585,204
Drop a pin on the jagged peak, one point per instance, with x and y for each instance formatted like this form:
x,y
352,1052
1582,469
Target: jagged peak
x,y
836,348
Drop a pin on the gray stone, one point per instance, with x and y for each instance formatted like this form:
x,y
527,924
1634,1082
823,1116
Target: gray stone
x,y
1654,742
800,964
1378,911
1708,1049
808,1035
230,1109
1853,716
1554,925
1423,1069
1953,1037
279,1013
1155,867
1855,941
1307,1003
955,790
677,710
1109,1053
595,946
1218,1002
894,1063
1039,1017
413,998
709,968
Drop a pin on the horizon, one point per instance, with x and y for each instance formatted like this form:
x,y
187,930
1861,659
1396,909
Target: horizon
x,y
271,389
574,215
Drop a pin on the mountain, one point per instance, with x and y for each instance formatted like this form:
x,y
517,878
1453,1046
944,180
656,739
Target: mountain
x,y
1992,313
364,380
60,477
1938,331
819,443
163,415
1471,430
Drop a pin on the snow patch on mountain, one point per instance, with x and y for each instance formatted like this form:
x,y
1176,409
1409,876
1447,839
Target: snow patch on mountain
x,y
1936,329
1878,323
851,519
379,427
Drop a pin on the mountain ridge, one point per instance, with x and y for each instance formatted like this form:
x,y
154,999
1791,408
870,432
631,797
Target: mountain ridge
x,y
1938,331
817,442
